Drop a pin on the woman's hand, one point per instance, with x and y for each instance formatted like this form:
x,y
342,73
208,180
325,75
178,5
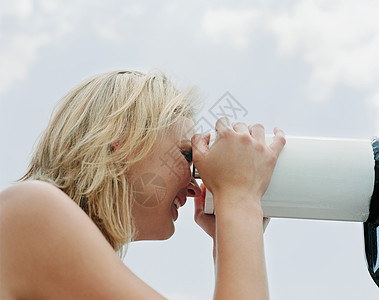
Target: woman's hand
x,y
208,222
239,162
237,170
205,221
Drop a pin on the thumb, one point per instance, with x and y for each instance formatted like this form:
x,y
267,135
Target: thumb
x,y
200,201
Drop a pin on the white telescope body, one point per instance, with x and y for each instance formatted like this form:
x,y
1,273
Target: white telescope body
x,y
326,179
319,178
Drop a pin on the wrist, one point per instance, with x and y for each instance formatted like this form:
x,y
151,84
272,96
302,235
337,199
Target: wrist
x,y
239,203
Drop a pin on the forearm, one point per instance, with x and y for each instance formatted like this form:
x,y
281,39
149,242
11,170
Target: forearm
x,y
240,265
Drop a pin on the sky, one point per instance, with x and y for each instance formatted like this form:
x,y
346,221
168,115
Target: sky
x,y
310,67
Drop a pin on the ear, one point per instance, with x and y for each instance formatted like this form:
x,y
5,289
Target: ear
x,y
115,146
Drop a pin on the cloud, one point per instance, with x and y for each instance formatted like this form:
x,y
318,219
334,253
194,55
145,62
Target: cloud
x,y
17,8
338,39
29,25
232,26
17,55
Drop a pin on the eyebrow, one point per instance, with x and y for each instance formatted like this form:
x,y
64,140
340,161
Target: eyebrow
x,y
185,143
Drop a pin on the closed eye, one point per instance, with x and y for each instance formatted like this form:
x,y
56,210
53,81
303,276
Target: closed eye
x,y
188,156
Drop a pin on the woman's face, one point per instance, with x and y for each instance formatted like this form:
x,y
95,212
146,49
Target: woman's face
x,y
161,182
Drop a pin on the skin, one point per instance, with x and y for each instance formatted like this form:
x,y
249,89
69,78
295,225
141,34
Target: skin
x,y
45,256
168,163
237,185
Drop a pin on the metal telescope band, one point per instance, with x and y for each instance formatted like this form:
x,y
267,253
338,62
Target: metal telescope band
x,y
359,166
195,173
370,227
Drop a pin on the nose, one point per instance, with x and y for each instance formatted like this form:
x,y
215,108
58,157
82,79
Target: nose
x,y
193,189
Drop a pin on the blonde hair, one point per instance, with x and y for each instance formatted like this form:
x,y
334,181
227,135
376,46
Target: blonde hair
x,y
126,110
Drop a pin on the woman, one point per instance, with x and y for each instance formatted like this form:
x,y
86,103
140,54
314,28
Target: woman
x,y
113,166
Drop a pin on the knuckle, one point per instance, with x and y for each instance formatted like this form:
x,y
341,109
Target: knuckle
x,y
282,140
259,125
227,132
239,124
222,121
277,129
245,138
259,147
272,159
195,137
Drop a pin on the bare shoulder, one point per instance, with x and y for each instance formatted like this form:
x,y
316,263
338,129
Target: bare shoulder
x,y
39,202
49,248
30,189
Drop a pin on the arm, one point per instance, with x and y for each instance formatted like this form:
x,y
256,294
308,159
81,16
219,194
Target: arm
x,y
237,181
50,249
240,264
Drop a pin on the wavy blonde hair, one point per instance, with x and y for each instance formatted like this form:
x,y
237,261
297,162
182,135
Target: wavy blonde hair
x,y
124,110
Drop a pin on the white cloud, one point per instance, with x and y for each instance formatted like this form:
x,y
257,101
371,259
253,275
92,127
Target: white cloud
x,y
338,39
134,9
29,26
230,25
19,52
17,8
33,24
49,6
374,100
112,29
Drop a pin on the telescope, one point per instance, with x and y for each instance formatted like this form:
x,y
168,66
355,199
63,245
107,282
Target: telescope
x,y
325,179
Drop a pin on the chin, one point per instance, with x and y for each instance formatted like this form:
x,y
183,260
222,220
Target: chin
x,y
166,234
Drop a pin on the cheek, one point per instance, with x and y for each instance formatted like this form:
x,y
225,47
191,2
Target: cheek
x,y
180,174
186,173
174,167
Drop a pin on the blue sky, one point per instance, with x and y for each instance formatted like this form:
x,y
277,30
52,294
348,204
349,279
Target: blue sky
x,y
311,67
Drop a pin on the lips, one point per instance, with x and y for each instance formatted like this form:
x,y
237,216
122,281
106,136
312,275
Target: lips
x,y
177,203
180,200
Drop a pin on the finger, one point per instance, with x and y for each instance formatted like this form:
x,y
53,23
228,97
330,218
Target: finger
x,y
257,131
206,222
279,141
240,127
201,197
200,145
222,125
203,189
199,206
200,202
